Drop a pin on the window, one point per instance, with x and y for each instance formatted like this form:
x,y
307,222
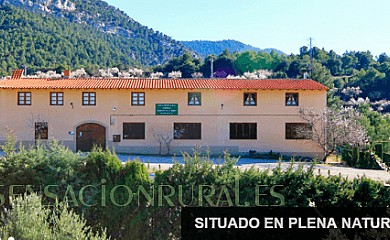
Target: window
x,y
250,99
194,99
138,99
56,98
187,131
116,138
89,98
24,98
291,99
41,131
243,130
298,131
133,130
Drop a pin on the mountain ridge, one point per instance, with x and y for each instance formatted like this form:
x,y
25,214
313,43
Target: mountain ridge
x,y
139,43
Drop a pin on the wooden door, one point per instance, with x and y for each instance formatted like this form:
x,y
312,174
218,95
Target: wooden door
x,y
89,135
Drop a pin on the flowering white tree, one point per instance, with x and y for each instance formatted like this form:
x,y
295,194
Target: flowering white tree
x,y
131,73
197,75
174,74
48,74
136,72
258,74
156,75
332,128
381,104
234,77
79,73
351,91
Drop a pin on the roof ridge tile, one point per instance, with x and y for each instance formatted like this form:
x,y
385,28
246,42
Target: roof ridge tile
x,y
143,83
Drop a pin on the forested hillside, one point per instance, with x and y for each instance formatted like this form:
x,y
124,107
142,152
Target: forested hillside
x,y
205,48
91,33
47,35
351,76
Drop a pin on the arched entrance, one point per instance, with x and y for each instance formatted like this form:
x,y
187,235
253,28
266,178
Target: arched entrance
x,y
89,135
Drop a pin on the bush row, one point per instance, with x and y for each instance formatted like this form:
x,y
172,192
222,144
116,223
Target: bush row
x,y
360,159
383,153
122,198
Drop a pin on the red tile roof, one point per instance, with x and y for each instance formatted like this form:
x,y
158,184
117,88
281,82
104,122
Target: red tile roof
x,y
120,83
17,74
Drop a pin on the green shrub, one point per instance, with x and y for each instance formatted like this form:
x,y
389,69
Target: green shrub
x,y
379,150
297,184
40,166
386,158
346,155
359,159
28,219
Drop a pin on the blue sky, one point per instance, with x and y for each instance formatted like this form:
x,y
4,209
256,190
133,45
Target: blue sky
x,y
341,25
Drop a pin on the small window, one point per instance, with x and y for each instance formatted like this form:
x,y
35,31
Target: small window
x,y
24,98
57,98
298,131
116,138
133,130
89,98
138,99
194,99
41,131
243,130
187,131
292,99
250,99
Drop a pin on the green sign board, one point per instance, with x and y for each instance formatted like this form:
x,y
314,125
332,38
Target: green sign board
x,y
167,109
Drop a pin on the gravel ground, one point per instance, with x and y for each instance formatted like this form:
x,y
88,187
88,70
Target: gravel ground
x,y
351,173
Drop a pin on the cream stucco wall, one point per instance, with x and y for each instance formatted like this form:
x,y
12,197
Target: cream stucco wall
x,y
270,114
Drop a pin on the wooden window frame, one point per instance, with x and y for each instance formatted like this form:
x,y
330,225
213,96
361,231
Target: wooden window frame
x,y
291,133
88,101
234,131
293,96
178,126
54,96
24,96
128,135
116,138
136,102
190,100
253,97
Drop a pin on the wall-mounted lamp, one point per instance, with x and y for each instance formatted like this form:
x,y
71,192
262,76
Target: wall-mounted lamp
x,y
221,105
71,104
114,109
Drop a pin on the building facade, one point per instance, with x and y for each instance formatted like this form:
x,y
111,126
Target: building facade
x,y
152,116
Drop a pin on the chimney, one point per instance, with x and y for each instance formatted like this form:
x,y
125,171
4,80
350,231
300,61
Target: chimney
x,y
17,74
66,73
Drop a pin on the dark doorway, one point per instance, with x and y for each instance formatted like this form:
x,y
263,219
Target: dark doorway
x,y
89,135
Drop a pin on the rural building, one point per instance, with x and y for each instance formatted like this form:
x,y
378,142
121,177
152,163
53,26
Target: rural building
x,y
141,115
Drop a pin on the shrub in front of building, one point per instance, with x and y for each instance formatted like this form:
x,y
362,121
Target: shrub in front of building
x,y
29,219
123,198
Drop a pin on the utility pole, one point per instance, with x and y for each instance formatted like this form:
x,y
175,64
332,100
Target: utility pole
x,y
311,56
212,67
